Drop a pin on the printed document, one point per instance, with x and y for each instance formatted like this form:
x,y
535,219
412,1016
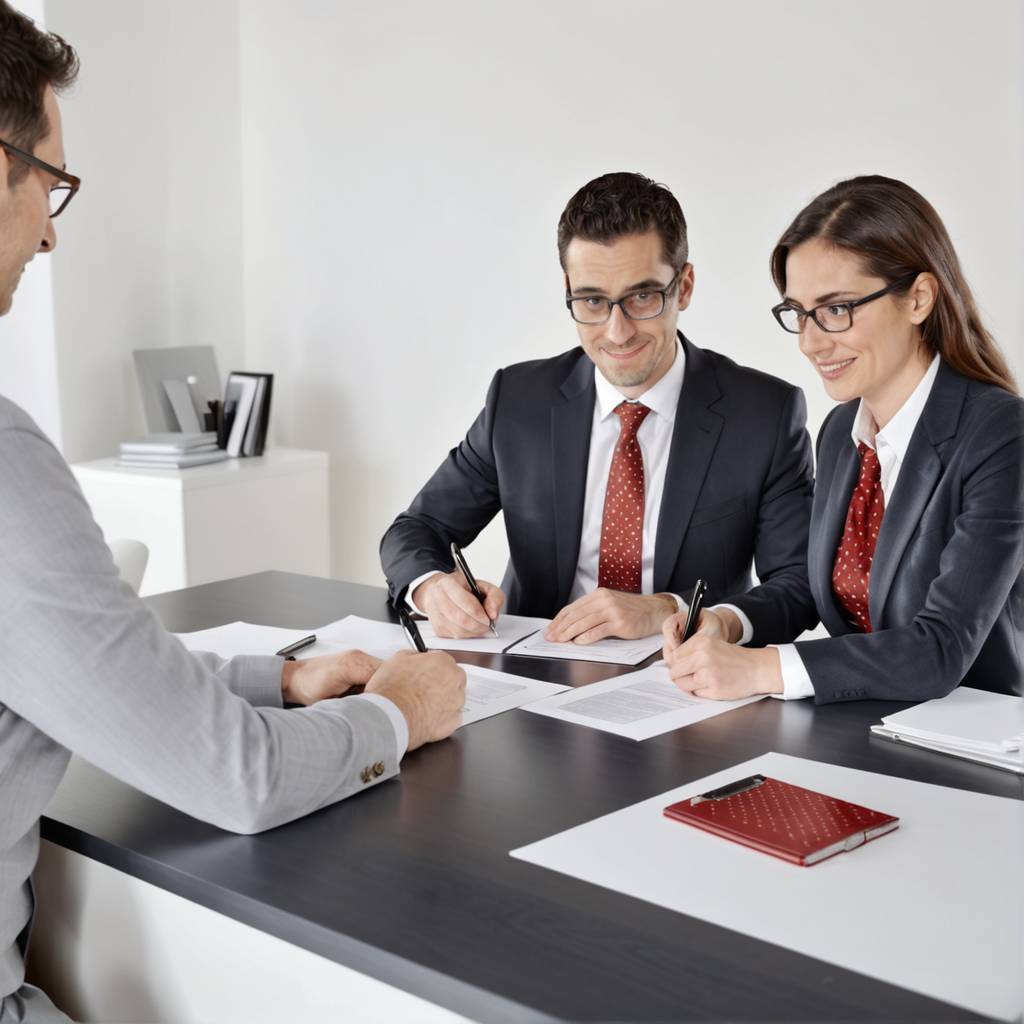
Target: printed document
x,y
487,692
638,706
611,650
511,628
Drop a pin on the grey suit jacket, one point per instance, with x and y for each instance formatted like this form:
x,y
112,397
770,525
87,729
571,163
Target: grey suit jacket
x,y
946,594
87,668
737,490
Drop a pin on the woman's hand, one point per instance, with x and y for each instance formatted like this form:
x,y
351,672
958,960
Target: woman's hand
x,y
717,670
718,623
313,679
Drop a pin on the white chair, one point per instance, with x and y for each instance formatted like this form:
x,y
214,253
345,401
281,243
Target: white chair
x,y
130,557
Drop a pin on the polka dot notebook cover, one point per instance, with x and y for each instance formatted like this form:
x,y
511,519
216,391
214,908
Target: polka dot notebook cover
x,y
786,821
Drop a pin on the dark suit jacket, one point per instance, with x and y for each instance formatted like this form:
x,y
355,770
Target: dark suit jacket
x,y
946,593
738,489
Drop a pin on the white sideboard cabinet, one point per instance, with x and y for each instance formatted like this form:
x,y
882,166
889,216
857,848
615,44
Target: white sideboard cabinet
x,y
217,521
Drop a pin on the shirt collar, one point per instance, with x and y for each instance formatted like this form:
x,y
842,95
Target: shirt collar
x,y
900,428
663,398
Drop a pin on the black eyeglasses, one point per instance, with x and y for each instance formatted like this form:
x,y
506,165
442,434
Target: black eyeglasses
x,y
833,317
60,195
642,305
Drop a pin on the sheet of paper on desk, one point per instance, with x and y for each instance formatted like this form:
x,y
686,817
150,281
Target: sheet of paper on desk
x,y
511,628
898,908
381,639
638,705
611,651
489,693
247,638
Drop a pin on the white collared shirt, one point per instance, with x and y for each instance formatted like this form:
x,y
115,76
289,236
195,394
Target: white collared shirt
x,y
891,444
654,436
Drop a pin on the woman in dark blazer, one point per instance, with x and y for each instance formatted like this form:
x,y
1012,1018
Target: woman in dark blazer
x,y
916,549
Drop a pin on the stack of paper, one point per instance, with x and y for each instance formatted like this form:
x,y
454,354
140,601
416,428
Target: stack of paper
x,y
487,692
973,724
171,451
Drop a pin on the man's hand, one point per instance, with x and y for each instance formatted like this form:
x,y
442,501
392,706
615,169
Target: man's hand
x,y
451,607
719,670
429,689
313,679
610,613
719,624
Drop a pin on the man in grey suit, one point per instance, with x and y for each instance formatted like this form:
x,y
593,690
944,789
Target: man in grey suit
x,y
87,668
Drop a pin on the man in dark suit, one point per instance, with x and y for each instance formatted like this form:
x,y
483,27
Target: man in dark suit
x,y
627,468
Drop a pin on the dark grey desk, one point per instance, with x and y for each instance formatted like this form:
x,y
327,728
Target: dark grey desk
x,y
411,882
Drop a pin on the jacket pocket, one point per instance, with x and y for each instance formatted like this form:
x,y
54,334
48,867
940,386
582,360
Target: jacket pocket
x,y
713,513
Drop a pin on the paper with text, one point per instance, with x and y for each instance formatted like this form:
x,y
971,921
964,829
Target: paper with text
x,y
611,650
510,629
489,693
638,706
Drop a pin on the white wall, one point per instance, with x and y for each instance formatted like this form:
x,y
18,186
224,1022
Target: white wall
x,y
336,192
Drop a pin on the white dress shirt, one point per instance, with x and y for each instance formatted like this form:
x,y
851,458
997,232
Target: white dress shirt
x,y
891,445
654,436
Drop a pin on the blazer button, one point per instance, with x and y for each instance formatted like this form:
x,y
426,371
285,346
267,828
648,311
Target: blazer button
x,y
378,769
366,774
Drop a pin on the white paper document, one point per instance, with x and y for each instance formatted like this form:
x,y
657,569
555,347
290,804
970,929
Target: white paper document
x,y
638,706
489,692
611,651
381,639
935,906
246,638
973,724
510,629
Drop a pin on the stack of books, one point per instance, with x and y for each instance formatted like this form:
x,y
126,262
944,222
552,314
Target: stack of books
x,y
975,725
246,413
171,451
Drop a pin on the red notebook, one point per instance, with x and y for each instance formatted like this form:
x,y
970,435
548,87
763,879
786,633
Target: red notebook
x,y
786,821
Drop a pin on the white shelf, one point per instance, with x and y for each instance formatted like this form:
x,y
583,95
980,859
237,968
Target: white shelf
x,y
213,522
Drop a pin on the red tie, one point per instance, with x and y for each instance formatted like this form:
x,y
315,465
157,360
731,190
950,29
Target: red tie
x,y
851,575
622,528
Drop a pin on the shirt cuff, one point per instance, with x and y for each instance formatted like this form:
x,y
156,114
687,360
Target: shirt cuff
x,y
748,628
796,683
412,586
395,717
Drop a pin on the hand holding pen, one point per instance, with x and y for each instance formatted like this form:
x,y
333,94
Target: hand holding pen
x,y
463,567
447,600
677,629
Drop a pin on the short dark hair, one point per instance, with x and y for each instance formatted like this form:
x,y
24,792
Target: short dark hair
x,y
896,233
620,204
30,60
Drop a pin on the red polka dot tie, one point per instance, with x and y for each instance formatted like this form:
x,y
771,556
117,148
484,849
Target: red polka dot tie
x,y
851,574
622,528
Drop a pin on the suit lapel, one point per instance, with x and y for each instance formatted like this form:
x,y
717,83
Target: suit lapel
x,y
836,479
694,438
915,485
571,423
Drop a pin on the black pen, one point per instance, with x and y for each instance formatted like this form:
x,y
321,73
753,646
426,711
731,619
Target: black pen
x,y
412,631
693,617
460,561
289,652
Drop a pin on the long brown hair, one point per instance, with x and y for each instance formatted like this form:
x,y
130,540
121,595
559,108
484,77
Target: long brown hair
x,y
897,233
